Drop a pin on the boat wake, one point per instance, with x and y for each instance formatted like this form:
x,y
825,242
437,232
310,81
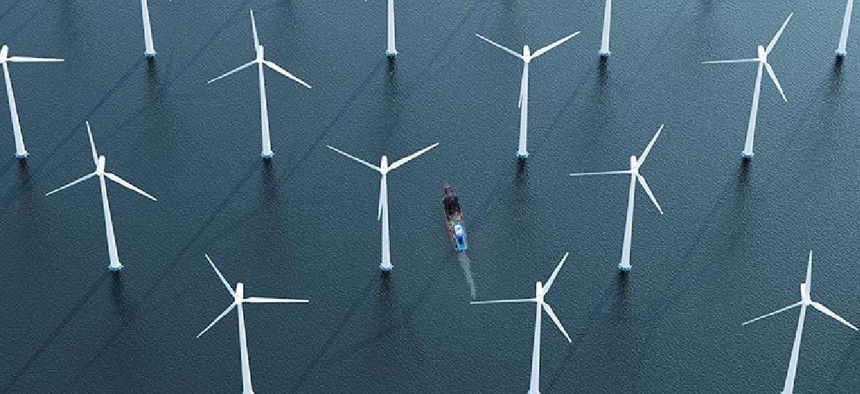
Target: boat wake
x,y
465,264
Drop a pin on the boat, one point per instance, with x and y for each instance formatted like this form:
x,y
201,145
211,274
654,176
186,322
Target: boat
x,y
454,220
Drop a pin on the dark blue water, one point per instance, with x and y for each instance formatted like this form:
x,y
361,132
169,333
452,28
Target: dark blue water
x,y
732,244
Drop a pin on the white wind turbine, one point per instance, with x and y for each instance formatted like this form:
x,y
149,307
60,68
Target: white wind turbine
x,y
147,29
527,56
607,21
238,300
842,49
762,64
260,61
20,150
100,172
805,301
540,305
634,176
382,213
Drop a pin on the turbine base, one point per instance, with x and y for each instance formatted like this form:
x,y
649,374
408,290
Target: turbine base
x,y
115,268
267,155
522,155
390,53
603,53
385,268
747,155
841,53
21,155
149,55
624,267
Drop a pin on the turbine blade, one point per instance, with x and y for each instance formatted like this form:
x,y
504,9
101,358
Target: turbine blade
x,y
221,316
553,45
354,158
779,33
508,50
285,73
79,180
254,30
233,71
730,61
555,320
772,313
809,273
648,191
602,173
224,281
24,59
502,301
823,309
650,144
117,179
92,145
554,274
266,300
404,160
775,81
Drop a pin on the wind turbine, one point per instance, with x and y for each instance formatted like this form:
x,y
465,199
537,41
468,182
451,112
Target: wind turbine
x,y
607,21
540,304
523,104
842,49
762,64
382,213
634,176
805,301
260,61
391,50
100,172
147,29
20,150
238,300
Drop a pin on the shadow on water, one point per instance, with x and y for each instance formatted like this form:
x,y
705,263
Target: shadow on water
x,y
56,332
338,329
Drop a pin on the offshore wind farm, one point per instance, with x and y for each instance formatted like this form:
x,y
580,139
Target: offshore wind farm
x,y
733,241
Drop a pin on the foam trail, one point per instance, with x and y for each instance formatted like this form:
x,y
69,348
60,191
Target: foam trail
x,y
467,270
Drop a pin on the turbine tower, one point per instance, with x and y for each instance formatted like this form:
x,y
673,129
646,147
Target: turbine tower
x,y
540,306
607,21
762,65
391,51
635,164
260,61
5,59
842,49
238,301
382,214
805,301
523,104
147,30
99,161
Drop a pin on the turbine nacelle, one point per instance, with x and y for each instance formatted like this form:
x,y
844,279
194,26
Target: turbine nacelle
x,y
100,166
634,165
762,54
4,53
539,293
240,293
383,165
805,296
527,54
260,54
